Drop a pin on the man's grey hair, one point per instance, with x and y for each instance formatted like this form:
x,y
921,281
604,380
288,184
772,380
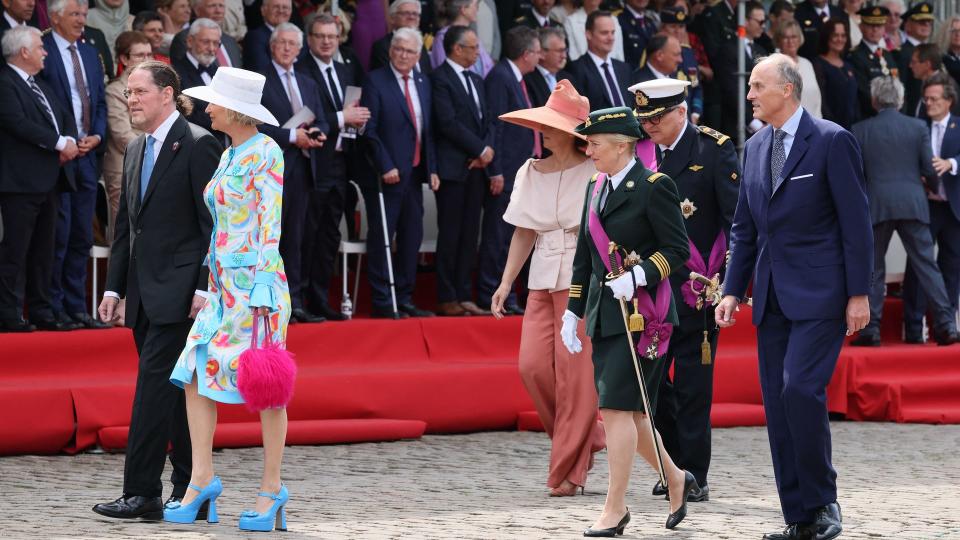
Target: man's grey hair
x,y
203,23
887,92
16,38
287,27
397,4
787,72
548,32
898,3
407,34
57,6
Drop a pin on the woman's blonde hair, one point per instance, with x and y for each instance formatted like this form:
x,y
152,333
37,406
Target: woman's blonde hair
x,y
235,117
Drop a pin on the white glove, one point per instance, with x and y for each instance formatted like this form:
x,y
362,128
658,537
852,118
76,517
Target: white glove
x,y
623,286
568,333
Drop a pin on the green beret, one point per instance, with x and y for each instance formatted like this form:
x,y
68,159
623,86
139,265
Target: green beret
x,y
618,120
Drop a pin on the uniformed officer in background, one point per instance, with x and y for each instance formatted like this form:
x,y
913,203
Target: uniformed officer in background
x,y
871,59
639,24
704,165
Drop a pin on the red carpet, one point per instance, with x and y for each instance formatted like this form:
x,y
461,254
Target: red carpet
x,y
367,380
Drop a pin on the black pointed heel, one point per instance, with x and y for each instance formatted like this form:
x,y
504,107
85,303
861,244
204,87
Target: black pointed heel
x,y
689,484
612,531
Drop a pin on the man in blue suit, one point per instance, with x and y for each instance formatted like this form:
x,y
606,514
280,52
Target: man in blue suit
x,y
597,74
256,44
802,231
939,95
73,70
513,145
285,93
464,148
400,135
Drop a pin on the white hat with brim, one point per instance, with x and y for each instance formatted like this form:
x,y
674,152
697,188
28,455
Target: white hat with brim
x,y
238,90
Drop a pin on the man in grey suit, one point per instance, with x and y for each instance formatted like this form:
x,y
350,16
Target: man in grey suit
x,y
896,154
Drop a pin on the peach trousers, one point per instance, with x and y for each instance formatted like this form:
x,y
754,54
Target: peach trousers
x,y
561,385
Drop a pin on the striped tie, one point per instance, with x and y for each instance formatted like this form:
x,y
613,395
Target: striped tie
x,y
43,100
81,89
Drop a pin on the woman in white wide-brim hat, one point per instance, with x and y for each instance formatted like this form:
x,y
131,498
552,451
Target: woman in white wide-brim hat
x,y
246,280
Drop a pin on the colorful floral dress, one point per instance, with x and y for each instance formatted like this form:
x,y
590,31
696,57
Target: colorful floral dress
x,y
246,271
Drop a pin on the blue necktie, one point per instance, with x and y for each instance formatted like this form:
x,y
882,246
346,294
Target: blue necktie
x,y
147,169
614,90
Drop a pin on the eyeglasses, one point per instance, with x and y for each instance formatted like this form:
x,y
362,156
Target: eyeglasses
x,y
209,43
287,43
136,92
404,51
325,37
408,14
561,50
473,47
655,120
932,99
758,21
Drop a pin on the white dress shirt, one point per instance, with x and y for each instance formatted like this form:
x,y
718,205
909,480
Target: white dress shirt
x,y
791,126
64,47
295,91
472,90
62,140
414,96
615,181
675,141
336,81
938,129
597,61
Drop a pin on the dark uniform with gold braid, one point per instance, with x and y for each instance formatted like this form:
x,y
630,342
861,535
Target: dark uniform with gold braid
x,y
642,215
868,65
706,169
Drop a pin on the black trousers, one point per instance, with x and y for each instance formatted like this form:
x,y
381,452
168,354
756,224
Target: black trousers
x,y
494,247
683,411
159,414
403,205
321,241
458,222
945,230
26,253
296,182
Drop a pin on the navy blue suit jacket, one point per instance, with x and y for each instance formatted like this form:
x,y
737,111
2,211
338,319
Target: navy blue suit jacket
x,y
950,148
390,131
813,236
55,75
277,101
256,49
461,133
513,144
589,82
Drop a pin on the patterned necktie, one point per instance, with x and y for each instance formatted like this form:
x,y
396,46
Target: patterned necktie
x,y
778,158
413,116
43,100
614,91
147,168
81,88
295,103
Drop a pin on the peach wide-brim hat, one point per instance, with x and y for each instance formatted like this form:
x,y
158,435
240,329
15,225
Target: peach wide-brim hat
x,y
565,110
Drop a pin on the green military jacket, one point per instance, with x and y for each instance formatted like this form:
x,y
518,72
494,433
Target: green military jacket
x,y
643,216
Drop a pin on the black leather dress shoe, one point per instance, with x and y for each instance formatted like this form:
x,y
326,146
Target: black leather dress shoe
x,y
513,309
387,313
866,340
828,523
660,491
947,338
85,320
53,325
304,316
612,531
792,532
328,312
16,325
135,507
201,514
913,340
414,311
689,484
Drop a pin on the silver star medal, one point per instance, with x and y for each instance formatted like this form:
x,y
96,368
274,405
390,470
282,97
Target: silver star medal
x,y
687,208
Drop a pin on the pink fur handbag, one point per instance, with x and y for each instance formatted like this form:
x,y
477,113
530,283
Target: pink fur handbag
x,y
267,372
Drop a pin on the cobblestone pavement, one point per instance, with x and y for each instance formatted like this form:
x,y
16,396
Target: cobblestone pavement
x,y
896,481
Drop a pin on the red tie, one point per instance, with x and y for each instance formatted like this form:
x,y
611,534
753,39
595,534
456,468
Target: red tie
x,y
537,148
413,116
222,58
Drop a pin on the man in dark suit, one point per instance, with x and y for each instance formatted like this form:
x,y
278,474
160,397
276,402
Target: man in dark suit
x,y
537,17
639,25
917,26
227,53
924,62
726,69
403,14
339,156
870,59
553,59
199,64
597,75
664,55
513,145
812,14
673,22
940,95
897,157
705,167
256,44
37,137
464,148
401,139
285,93
157,258
73,70
802,231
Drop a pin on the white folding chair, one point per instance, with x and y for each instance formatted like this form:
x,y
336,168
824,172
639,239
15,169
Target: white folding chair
x,y
429,243
100,252
358,247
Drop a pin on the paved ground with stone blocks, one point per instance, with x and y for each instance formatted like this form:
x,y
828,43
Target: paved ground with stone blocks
x,y
896,481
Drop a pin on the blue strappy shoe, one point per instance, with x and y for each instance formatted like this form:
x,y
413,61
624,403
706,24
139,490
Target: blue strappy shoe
x,y
275,517
187,513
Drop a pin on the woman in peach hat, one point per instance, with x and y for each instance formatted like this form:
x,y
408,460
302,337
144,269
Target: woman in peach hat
x,y
546,207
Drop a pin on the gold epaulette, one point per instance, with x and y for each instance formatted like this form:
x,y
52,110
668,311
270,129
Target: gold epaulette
x,y
428,41
710,132
47,31
655,176
616,12
594,177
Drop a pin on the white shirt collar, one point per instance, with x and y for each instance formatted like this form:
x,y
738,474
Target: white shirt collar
x,y
617,178
943,123
656,73
193,60
321,64
914,40
11,21
872,46
516,70
281,71
540,19
793,123
597,60
61,41
545,72
677,140
23,74
457,68
160,134
399,76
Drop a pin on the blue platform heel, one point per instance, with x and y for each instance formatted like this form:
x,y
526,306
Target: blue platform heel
x,y
275,517
187,513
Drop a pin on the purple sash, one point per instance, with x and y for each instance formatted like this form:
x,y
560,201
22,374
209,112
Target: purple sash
x,y
656,332
692,289
647,154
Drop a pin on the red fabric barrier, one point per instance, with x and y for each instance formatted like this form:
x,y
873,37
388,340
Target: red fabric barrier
x,y
35,420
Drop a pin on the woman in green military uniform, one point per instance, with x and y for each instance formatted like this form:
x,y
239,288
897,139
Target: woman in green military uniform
x,y
639,210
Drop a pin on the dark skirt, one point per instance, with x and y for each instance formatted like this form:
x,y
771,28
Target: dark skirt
x,y
616,379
